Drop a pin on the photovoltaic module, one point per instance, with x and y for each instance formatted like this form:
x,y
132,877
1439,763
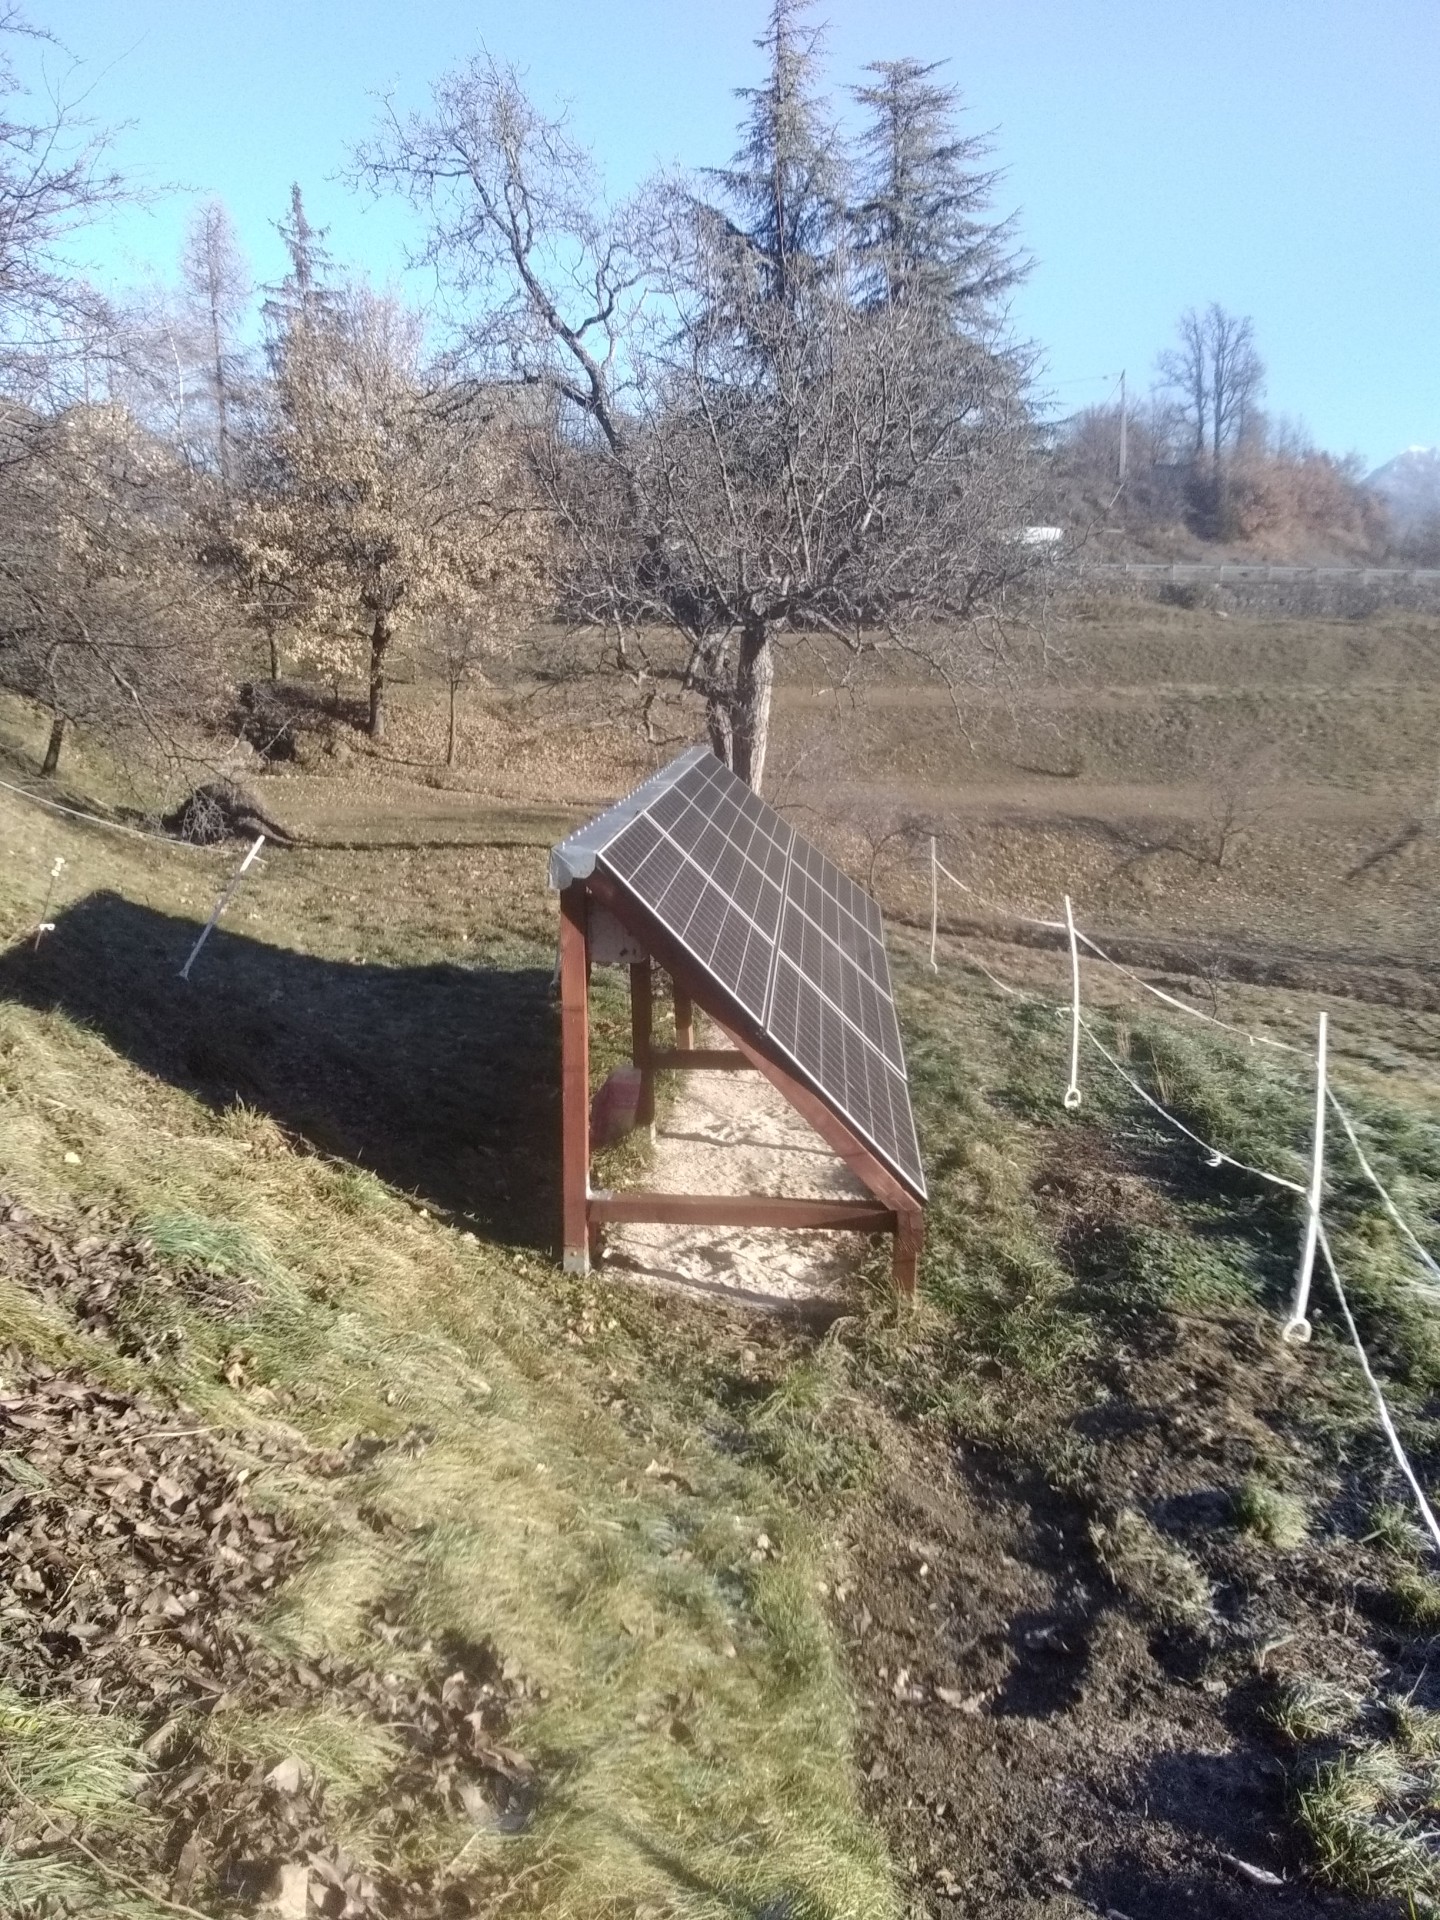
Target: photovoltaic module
x,y
775,925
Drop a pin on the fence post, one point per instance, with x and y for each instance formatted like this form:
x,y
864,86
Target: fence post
x,y
220,906
45,924
934,903
1297,1327
1072,1092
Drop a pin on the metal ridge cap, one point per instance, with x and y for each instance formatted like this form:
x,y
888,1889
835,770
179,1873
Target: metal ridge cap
x,y
574,857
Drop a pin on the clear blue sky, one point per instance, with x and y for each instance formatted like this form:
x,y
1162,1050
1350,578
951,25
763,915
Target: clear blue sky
x,y
1281,156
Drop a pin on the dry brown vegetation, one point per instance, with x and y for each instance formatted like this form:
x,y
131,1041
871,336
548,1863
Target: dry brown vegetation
x,y
1066,1594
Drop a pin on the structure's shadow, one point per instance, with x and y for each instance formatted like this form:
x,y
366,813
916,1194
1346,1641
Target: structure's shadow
x,y
441,1079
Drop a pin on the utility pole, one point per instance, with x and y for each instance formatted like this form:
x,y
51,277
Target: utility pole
x,y
1122,427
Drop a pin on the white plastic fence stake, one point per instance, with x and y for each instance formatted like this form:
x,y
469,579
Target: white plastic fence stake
x,y
1297,1327
934,902
45,924
220,906
1072,1092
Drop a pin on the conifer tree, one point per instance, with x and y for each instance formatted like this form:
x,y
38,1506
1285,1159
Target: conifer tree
x,y
217,288
785,187
925,190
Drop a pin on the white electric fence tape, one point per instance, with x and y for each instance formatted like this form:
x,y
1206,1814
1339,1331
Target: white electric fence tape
x,y
220,906
1378,1184
1072,1092
934,903
991,906
98,820
1210,1019
1297,1328
1402,1459
1214,1157
1015,993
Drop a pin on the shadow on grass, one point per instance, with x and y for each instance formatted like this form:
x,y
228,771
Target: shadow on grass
x,y
443,1080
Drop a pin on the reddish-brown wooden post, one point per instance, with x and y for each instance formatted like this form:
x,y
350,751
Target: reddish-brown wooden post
x,y
641,1023
574,1080
905,1264
684,1018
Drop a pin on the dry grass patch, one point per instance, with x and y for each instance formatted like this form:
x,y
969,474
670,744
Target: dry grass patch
x,y
679,1699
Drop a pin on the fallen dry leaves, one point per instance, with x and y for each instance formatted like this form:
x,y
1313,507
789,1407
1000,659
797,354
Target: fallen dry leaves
x,y
134,1560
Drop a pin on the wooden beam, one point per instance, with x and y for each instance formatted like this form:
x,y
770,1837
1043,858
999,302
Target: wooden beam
x,y
574,1080
700,1060
741,1210
684,1016
905,1261
641,1022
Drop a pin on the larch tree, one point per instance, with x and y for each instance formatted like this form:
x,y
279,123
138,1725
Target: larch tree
x,y
739,445
217,290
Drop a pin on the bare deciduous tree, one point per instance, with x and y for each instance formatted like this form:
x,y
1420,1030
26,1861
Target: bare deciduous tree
x,y
378,494
743,445
1217,376
103,618
54,179
464,643
1184,371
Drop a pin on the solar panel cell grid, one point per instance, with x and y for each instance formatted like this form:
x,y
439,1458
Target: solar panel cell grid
x,y
783,931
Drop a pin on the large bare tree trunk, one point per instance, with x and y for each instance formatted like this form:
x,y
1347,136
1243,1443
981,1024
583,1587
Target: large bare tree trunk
x,y
450,736
54,744
274,654
750,722
380,635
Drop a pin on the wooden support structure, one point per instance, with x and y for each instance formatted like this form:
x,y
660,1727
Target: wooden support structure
x,y
699,1060
642,1012
891,1208
575,1080
740,1210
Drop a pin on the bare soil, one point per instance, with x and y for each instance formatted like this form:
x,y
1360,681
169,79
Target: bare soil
x,y
734,1133
1040,1739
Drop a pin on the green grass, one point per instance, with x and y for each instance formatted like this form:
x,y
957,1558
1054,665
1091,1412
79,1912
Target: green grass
x,y
1306,1710
529,1519
1153,1572
62,1769
1265,1512
688,1711
1367,1816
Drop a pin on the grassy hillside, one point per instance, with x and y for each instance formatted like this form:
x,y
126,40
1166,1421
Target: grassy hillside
x,y
468,1587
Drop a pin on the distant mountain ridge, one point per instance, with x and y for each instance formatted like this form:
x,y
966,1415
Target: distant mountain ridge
x,y
1410,486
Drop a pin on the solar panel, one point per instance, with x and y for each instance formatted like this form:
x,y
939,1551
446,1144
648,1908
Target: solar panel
x,y
775,925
